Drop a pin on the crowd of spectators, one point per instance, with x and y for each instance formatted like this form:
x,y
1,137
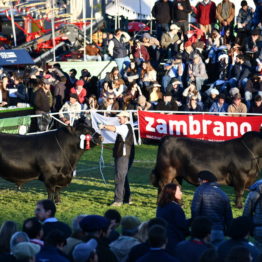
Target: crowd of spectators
x,y
211,234
215,66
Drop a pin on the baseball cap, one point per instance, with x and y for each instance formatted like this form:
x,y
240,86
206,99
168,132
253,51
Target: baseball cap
x,y
80,83
82,251
25,250
130,224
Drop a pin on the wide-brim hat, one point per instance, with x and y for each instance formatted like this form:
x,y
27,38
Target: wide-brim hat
x,y
123,113
174,27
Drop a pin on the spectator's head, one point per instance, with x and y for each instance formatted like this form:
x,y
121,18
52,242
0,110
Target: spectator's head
x,y
118,32
85,252
26,251
196,58
129,225
240,227
157,236
193,101
188,47
244,5
113,216
206,176
56,238
45,209
18,237
79,84
239,254
221,98
255,34
214,93
72,73
141,101
170,193
237,99
258,100
33,228
175,83
146,37
174,28
57,65
94,225
201,227
7,229
73,98
76,229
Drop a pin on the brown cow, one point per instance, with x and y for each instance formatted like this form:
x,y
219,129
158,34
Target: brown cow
x,y
235,162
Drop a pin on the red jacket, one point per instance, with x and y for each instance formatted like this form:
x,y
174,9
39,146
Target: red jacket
x,y
141,53
206,14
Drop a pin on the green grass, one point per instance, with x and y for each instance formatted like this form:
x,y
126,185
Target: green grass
x,y
87,194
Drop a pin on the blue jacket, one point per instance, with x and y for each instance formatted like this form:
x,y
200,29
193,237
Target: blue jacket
x,y
191,250
157,256
210,201
177,228
50,254
225,247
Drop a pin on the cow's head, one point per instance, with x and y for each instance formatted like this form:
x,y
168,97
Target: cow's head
x,y
83,127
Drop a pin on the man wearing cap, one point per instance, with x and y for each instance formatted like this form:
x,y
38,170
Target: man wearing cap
x,y
237,106
123,153
122,246
79,90
210,201
170,41
71,106
26,251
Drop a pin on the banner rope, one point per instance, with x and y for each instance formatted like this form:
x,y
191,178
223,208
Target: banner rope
x,y
102,163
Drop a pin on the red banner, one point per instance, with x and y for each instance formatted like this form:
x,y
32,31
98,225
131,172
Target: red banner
x,y
207,127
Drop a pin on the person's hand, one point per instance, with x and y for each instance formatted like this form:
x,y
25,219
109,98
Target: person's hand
x,y
101,126
225,23
180,7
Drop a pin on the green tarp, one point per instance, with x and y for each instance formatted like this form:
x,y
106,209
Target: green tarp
x,y
14,125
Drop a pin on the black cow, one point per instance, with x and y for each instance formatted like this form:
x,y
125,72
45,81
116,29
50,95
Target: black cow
x,y
235,162
50,157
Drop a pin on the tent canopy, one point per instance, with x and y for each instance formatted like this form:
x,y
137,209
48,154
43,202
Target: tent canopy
x,y
10,57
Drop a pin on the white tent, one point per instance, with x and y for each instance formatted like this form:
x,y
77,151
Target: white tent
x,y
141,9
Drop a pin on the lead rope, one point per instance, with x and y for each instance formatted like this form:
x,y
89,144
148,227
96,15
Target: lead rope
x,y
253,155
102,163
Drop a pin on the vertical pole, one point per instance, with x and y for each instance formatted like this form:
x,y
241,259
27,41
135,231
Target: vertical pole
x,y
84,27
92,16
116,16
53,29
13,22
103,5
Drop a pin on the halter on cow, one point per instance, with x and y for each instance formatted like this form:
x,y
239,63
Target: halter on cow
x,y
235,162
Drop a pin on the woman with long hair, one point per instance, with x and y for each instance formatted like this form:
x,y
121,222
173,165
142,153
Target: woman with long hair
x,y
169,209
7,229
148,75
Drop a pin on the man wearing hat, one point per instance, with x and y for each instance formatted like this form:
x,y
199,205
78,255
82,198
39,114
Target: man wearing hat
x,y
170,41
123,153
71,106
237,106
210,201
26,251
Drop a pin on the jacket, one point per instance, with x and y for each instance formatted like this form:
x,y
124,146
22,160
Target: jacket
x,y
181,15
50,254
177,228
122,246
157,256
206,13
233,108
42,100
191,250
198,69
231,12
167,40
162,12
253,204
210,201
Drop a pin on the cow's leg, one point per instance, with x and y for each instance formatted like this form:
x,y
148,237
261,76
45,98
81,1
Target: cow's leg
x,y
50,192
57,195
239,197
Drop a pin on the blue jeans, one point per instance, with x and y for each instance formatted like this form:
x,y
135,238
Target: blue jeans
x,y
160,29
122,63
